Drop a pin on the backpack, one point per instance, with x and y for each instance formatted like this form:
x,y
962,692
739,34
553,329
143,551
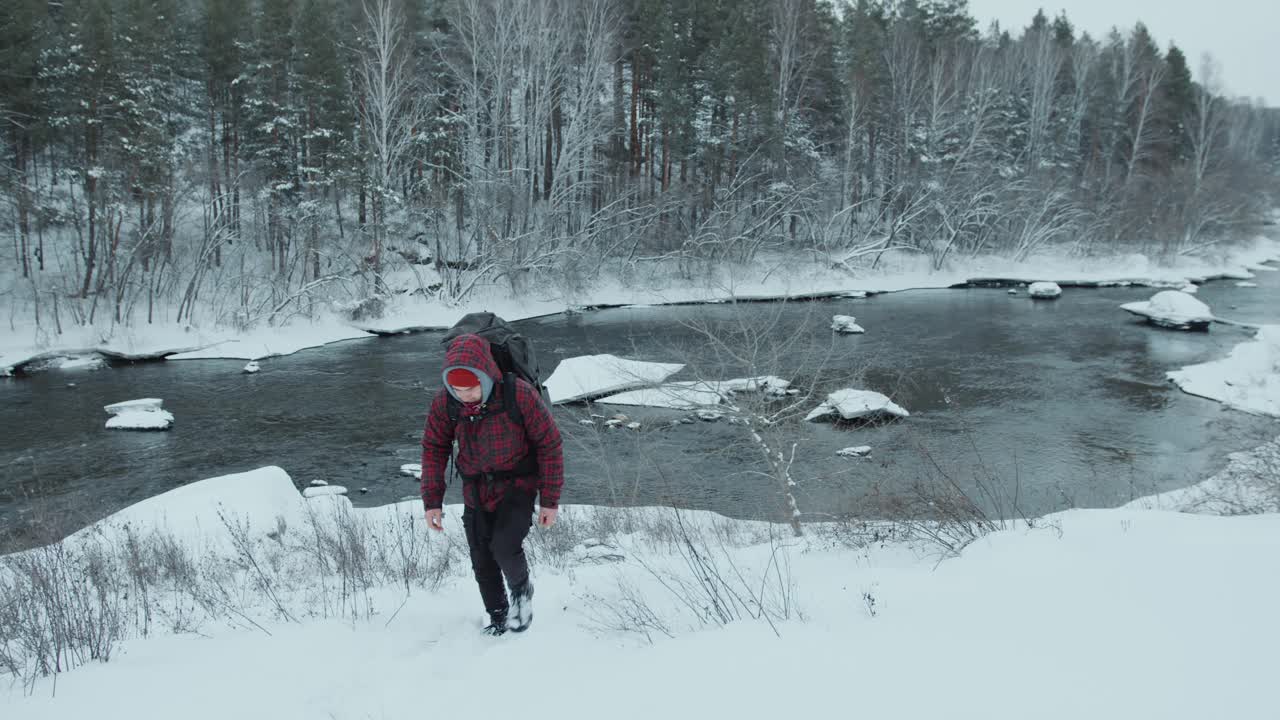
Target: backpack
x,y
511,351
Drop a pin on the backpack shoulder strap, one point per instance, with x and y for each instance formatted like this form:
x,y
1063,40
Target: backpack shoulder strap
x,y
509,398
453,408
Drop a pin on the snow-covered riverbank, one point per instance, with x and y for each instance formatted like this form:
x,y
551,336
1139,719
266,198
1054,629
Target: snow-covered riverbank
x,y
765,280
1109,613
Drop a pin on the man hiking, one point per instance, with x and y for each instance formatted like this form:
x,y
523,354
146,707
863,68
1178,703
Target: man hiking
x,y
505,457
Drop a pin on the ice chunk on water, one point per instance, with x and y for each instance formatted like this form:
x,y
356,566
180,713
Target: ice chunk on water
x,y
845,324
132,405
1044,290
323,490
141,420
587,376
852,404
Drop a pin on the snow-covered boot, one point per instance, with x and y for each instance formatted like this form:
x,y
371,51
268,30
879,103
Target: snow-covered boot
x,y
497,625
521,608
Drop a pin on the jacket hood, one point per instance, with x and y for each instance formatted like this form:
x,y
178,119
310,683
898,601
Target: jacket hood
x,y
471,352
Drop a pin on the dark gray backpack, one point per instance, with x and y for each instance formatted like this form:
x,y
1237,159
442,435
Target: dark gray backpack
x,y
513,354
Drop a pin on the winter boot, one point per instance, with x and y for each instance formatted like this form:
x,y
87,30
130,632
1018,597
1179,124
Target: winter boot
x,y
521,607
497,625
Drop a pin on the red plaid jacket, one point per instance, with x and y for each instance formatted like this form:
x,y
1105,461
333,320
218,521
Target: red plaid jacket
x,y
493,443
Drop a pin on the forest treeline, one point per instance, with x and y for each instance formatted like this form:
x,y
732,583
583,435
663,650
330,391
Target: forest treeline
x,y
246,160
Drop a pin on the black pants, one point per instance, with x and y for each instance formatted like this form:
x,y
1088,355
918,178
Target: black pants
x,y
496,540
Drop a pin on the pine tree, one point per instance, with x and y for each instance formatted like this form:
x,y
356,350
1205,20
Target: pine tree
x,y
1143,69
864,39
326,119
270,120
22,40
225,38
83,90
151,118
1177,106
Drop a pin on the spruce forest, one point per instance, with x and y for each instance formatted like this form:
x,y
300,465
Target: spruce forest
x,y
243,162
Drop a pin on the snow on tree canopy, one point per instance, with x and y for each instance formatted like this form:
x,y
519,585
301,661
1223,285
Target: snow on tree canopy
x,y
852,404
1173,309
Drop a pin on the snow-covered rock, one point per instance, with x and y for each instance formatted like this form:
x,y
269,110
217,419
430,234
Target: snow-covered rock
x,y
621,421
413,470
196,514
855,451
709,415
142,404
141,420
1190,288
1173,309
252,367
845,324
318,483
587,376
850,404
1247,379
141,414
1013,291
1044,290
323,490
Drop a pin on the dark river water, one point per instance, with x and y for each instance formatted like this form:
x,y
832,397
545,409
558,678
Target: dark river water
x,y
1052,404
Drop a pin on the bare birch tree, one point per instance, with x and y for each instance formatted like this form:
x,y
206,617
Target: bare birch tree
x,y
390,113
1144,74
1084,61
1042,61
1206,126
794,58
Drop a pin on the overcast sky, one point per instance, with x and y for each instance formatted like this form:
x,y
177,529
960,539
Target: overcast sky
x,y
1241,35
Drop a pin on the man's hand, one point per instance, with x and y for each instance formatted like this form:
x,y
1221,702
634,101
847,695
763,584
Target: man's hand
x,y
435,520
547,516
